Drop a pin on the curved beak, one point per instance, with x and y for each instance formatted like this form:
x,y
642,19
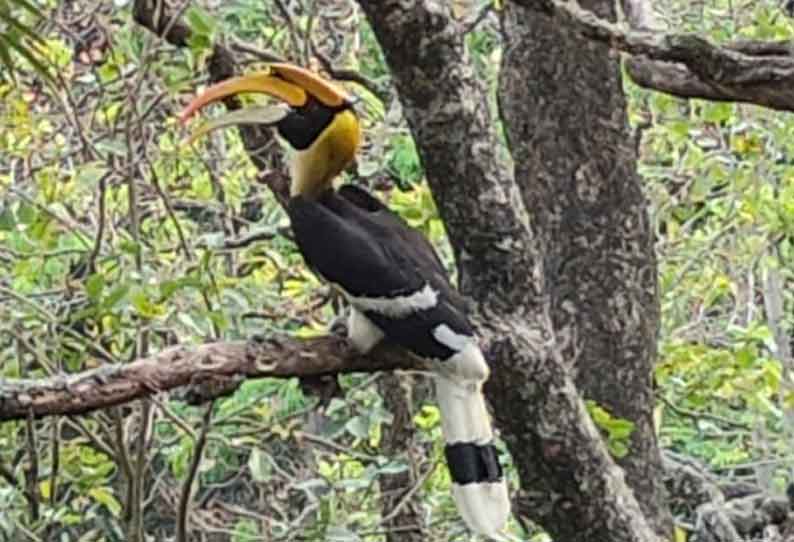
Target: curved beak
x,y
260,82
326,92
264,114
290,84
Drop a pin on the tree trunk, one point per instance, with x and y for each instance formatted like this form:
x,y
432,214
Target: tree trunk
x,y
501,255
564,110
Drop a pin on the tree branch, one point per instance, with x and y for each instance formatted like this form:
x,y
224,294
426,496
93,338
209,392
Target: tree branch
x,y
183,365
688,65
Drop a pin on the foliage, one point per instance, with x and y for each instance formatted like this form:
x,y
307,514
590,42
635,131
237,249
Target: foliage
x,y
720,177
114,243
18,37
617,431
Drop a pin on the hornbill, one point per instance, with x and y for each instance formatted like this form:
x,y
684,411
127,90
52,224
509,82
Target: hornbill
x,y
389,273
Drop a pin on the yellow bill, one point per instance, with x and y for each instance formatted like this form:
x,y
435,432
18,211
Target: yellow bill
x,y
261,114
289,83
323,90
262,82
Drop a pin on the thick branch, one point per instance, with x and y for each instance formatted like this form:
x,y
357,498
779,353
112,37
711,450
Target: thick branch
x,y
185,365
687,65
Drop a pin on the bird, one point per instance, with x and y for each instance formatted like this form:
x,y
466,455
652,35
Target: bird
x,y
391,276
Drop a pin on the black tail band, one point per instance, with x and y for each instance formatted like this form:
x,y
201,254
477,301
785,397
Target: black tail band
x,y
471,463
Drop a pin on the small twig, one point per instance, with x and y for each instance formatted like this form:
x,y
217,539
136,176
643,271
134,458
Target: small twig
x,y
32,473
342,74
293,33
485,10
123,457
8,475
261,54
408,494
702,415
307,36
173,20
187,487
94,438
331,445
174,418
249,239
55,459
27,532
155,180
103,182
140,466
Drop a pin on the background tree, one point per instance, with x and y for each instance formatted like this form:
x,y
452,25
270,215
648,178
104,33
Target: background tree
x,y
116,243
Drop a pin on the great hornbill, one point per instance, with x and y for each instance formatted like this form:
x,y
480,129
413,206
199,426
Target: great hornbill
x,y
390,274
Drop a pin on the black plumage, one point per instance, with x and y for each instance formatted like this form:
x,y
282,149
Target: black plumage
x,y
354,241
304,124
473,463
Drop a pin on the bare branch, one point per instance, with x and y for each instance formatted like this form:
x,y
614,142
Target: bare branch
x,y
32,472
187,487
184,365
688,65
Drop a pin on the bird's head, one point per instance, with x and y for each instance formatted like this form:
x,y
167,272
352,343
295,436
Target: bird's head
x,y
316,118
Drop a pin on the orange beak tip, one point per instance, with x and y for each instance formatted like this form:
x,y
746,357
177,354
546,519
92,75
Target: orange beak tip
x,y
185,115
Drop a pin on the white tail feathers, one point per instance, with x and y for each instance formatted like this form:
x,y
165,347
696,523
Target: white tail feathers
x,y
478,485
463,414
484,507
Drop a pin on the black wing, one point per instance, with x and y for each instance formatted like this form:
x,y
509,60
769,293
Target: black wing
x,y
344,253
356,242
417,248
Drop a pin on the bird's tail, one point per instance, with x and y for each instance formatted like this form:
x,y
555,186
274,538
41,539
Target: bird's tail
x,y
478,484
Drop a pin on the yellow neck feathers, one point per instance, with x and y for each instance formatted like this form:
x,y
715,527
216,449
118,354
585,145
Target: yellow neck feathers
x,y
314,169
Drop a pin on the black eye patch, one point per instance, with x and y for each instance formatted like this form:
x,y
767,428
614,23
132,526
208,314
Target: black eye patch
x,y
304,124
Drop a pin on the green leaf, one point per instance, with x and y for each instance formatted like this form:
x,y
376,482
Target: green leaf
x,y
428,417
145,306
24,4
202,27
259,465
393,467
94,286
200,21
90,173
117,294
7,221
27,214
9,41
13,21
5,58
105,497
358,427
617,448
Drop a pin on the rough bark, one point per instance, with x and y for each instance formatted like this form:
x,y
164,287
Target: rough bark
x,y
563,107
182,365
543,420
